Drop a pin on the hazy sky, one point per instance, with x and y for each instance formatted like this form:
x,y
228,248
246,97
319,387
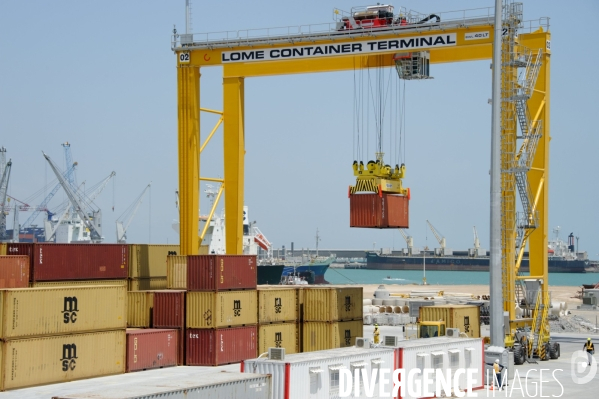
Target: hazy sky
x,y
102,76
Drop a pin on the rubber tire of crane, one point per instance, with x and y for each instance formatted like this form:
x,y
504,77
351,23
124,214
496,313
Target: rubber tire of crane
x,y
554,351
518,355
547,349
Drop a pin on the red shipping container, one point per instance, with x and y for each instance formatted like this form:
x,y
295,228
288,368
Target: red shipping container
x,y
151,349
169,309
55,262
384,211
220,346
221,272
14,271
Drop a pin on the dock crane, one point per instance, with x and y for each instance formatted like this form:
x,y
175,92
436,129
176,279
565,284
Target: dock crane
x,y
3,204
477,250
76,200
409,241
521,54
43,206
123,221
441,239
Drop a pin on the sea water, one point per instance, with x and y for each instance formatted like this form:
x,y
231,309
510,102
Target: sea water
x,y
363,276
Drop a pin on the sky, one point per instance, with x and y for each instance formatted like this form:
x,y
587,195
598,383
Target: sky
x,y
102,76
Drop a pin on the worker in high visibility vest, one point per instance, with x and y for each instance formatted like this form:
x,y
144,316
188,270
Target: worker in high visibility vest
x,y
497,368
590,348
376,334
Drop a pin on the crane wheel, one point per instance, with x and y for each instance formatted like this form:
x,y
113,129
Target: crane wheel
x,y
554,350
518,355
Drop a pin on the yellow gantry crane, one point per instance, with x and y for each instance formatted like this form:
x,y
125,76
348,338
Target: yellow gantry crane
x,y
348,45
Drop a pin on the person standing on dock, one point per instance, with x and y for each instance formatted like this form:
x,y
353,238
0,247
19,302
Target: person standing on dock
x,y
376,334
590,348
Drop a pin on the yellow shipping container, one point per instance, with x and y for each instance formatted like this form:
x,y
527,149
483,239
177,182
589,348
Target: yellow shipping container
x,y
145,284
176,272
27,312
139,308
76,283
332,303
277,305
321,335
205,309
2,249
149,260
464,317
281,335
46,360
204,250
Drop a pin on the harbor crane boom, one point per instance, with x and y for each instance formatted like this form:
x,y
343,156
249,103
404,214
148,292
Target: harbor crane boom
x,y
123,222
409,239
3,207
73,197
43,206
437,235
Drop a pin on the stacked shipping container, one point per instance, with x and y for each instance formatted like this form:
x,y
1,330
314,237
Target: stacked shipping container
x,y
221,303
332,317
14,271
147,266
61,334
278,316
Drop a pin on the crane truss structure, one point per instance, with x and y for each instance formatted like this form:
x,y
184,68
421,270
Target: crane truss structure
x,y
458,37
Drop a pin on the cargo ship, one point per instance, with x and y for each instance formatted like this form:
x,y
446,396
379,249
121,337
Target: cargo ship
x,y
312,268
377,261
562,258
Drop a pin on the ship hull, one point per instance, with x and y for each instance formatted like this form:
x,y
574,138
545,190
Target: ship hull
x,y
454,263
317,269
269,274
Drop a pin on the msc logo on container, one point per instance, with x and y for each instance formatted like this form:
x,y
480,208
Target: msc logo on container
x,y
236,308
347,337
347,303
466,324
278,305
69,354
69,313
278,340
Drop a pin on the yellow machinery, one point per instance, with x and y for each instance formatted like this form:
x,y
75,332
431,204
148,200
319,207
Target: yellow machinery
x,y
308,49
429,329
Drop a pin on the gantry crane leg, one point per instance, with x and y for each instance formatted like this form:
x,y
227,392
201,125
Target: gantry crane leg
x,y
234,152
188,93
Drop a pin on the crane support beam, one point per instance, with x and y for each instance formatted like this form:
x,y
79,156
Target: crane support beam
x,y
234,152
188,93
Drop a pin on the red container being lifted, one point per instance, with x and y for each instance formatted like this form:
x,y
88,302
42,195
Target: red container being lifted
x,y
221,272
220,346
14,271
55,262
151,349
169,309
379,211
